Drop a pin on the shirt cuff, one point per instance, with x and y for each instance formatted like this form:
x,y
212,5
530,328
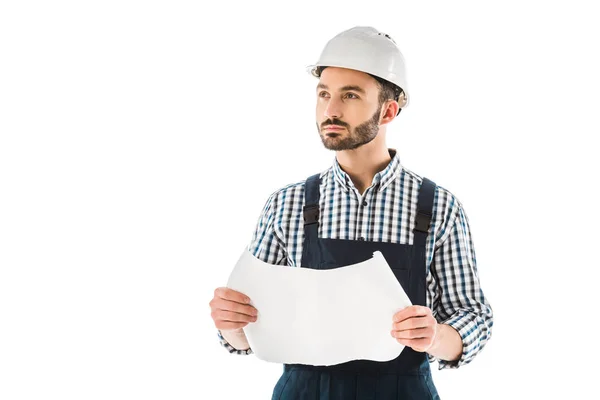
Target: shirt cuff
x,y
230,348
467,327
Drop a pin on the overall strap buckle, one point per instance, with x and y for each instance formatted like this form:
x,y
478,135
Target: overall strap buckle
x,y
311,214
423,219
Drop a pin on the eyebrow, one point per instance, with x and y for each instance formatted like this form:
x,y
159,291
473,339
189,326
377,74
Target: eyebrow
x,y
344,88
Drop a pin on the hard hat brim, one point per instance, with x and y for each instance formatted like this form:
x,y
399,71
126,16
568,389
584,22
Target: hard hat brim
x,y
312,68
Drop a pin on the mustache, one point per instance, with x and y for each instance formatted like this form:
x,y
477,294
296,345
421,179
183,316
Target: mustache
x,y
334,122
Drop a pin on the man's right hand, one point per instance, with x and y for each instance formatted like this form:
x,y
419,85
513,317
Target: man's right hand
x,y
231,310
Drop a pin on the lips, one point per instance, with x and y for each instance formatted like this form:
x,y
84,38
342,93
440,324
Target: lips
x,y
333,128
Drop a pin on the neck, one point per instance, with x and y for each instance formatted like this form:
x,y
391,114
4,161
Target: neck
x,y
362,163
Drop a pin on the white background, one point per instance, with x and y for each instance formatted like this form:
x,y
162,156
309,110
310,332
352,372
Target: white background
x,y
140,140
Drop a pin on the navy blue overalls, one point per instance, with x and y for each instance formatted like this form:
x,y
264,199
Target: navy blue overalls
x,y
406,377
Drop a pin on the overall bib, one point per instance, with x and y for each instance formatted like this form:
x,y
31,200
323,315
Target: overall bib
x,y
406,377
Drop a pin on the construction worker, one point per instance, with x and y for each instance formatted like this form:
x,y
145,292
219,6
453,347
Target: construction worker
x,y
368,201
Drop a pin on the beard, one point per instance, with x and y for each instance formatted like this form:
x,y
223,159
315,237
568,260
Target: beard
x,y
355,138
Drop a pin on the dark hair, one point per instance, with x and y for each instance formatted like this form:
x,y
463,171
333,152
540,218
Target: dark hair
x,y
387,90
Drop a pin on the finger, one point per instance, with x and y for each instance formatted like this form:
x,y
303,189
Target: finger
x,y
232,295
420,333
413,323
227,325
416,344
233,306
230,316
411,311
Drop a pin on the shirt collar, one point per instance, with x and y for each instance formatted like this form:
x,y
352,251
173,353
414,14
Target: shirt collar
x,y
381,179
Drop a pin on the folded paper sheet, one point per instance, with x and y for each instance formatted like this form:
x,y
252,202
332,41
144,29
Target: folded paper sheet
x,y
321,317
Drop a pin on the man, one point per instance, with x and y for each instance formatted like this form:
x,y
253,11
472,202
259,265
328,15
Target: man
x,y
368,201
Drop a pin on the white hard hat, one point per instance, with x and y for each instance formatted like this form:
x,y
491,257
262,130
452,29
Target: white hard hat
x,y
365,49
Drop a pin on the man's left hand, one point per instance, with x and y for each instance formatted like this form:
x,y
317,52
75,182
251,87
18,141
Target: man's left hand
x,y
415,327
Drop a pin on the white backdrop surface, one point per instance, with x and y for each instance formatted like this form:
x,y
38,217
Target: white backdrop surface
x,y
139,141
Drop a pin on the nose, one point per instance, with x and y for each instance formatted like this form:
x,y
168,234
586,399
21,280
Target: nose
x,y
333,109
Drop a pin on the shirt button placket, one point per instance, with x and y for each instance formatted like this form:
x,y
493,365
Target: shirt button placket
x,y
363,226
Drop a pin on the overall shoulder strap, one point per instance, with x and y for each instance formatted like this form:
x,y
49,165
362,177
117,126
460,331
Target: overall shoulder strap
x,y
311,222
424,212
311,200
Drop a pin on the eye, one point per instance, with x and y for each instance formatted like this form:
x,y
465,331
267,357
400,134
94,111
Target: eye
x,y
352,94
322,93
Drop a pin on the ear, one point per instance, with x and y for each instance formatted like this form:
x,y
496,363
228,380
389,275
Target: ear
x,y
391,111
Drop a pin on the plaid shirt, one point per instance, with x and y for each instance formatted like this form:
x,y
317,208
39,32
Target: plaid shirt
x,y
386,212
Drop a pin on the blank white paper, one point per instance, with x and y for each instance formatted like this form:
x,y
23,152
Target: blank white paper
x,y
321,317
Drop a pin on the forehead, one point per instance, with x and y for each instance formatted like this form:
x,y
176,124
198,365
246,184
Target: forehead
x,y
335,78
